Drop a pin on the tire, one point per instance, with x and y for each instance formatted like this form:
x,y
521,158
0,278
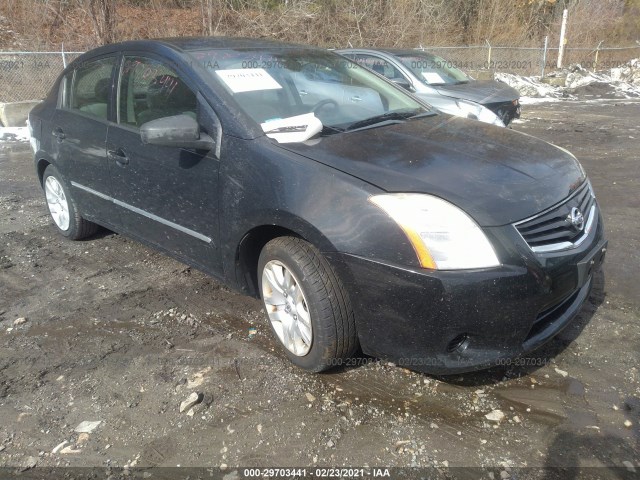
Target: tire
x,y
63,208
317,292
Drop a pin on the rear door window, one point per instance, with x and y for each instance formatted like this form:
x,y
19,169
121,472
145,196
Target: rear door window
x,y
91,87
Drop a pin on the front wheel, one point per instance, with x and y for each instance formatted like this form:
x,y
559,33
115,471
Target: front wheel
x,y
306,304
62,207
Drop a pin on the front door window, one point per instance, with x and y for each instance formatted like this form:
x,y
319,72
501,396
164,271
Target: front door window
x,y
150,90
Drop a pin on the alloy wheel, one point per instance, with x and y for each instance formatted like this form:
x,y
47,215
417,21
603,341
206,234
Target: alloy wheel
x,y
57,202
287,308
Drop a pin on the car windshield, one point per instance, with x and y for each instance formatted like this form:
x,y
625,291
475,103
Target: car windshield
x,y
283,89
433,70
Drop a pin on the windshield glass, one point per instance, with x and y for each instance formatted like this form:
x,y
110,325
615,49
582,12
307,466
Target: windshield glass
x,y
432,69
274,85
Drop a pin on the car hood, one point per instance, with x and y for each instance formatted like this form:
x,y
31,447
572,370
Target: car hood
x,y
484,92
496,175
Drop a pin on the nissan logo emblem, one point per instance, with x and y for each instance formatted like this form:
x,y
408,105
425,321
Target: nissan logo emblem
x,y
576,218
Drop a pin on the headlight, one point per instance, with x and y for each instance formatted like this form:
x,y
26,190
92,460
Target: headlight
x,y
443,236
476,111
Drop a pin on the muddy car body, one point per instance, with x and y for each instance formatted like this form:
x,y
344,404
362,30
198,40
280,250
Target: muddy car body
x,y
359,215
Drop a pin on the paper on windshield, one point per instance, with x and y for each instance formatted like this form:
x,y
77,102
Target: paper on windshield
x,y
293,129
248,79
433,77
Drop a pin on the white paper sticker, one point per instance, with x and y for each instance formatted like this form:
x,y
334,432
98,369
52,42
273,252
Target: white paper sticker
x,y
293,129
433,77
248,79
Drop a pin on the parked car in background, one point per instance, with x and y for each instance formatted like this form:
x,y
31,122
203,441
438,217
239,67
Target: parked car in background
x,y
441,84
359,215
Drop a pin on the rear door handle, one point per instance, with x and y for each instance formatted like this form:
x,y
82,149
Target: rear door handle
x,y
119,156
59,134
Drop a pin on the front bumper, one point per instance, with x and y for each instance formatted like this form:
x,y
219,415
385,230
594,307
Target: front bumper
x,y
444,322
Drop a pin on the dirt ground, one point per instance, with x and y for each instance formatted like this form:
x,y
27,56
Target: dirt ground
x,y
120,334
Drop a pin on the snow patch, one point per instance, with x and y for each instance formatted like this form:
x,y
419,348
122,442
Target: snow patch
x,y
530,87
14,134
622,82
629,73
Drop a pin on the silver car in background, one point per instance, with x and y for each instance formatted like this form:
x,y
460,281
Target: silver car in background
x,y
438,82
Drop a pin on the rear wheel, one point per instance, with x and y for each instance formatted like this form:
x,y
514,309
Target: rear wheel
x,y
62,207
306,304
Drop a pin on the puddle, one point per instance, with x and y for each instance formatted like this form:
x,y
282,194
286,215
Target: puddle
x,y
574,387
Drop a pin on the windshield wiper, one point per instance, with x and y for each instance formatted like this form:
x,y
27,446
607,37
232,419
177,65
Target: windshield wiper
x,y
329,130
386,117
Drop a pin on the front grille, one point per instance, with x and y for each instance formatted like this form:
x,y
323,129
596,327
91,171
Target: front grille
x,y
553,230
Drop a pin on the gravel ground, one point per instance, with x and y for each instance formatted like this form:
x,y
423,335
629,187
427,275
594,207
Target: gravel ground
x,y
108,330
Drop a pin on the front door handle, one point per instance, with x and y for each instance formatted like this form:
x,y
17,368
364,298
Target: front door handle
x,y
119,156
59,134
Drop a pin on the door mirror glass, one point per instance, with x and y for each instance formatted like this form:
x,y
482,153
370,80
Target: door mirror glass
x,y
180,131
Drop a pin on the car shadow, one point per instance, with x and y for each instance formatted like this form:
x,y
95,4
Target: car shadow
x,y
99,235
618,458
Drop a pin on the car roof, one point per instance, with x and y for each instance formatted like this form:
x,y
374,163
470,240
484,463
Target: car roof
x,y
390,51
407,51
205,43
185,44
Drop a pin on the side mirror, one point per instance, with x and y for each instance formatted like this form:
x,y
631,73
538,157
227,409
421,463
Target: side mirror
x,y
402,82
180,131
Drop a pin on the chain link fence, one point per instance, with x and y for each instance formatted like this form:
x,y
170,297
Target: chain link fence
x,y
30,75
532,61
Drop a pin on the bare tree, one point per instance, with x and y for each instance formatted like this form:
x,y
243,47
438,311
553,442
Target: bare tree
x,y
103,16
385,23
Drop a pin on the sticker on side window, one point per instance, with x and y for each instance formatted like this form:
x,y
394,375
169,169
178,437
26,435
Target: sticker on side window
x,y
248,79
433,77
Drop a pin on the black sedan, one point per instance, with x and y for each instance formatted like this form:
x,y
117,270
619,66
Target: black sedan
x,y
439,82
360,216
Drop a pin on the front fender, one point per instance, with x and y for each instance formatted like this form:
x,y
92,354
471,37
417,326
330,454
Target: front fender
x,y
265,185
